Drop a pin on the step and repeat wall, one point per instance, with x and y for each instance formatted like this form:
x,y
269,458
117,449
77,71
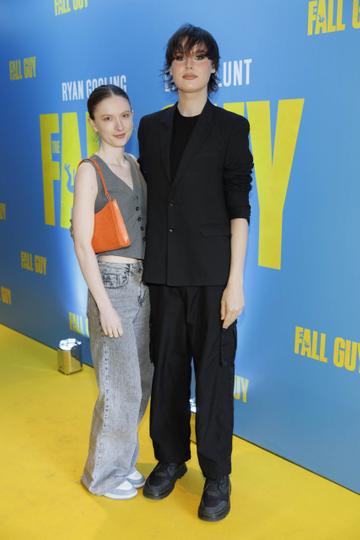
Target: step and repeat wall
x,y
292,68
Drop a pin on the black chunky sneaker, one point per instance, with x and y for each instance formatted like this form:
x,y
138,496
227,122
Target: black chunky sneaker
x,y
215,500
161,480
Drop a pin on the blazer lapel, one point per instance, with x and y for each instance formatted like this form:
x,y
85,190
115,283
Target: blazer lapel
x,y
165,138
198,137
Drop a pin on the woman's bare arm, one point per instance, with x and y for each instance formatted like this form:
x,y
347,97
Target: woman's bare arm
x,y
83,226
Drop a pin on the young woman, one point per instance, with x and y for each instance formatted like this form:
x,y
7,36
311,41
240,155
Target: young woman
x,y
118,303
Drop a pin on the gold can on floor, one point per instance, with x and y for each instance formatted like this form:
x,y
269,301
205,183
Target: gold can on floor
x,y
69,356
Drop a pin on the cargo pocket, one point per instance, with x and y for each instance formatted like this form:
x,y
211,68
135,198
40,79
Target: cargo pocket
x,y
228,343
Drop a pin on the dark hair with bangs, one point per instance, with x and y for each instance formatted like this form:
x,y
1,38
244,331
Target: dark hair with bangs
x,y
184,39
102,92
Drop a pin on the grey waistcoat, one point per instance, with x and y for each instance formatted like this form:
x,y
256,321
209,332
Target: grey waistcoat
x,y
132,204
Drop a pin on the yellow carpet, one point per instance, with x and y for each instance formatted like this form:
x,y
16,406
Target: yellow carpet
x,y
45,420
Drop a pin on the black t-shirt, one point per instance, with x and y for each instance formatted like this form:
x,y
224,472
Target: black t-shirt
x,y
182,128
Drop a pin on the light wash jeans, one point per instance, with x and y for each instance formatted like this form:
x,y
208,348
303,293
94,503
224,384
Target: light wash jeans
x,y
124,376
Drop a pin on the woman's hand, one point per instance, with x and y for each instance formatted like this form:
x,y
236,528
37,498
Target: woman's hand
x,y
110,322
232,304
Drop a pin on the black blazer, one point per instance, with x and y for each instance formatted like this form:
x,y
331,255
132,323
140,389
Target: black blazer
x,y
188,224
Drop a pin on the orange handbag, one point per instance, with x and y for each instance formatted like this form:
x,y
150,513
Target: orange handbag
x,y
110,231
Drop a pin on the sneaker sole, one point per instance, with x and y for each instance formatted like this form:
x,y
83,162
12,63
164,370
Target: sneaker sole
x,y
164,494
120,497
214,517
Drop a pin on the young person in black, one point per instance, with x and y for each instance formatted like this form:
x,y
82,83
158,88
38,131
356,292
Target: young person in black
x,y
196,160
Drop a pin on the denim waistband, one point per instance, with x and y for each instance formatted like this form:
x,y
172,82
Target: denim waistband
x,y
121,266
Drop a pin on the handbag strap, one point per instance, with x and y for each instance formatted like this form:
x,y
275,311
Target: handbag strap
x,y
98,168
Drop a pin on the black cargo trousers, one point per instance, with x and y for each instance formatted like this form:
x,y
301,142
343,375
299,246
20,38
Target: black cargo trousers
x,y
185,324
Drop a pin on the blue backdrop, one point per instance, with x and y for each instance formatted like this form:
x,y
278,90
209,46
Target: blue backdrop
x,y
292,69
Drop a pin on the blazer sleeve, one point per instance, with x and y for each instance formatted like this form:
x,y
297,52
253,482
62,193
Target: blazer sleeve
x,y
237,171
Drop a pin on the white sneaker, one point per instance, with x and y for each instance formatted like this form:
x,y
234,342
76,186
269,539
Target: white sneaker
x,y
125,490
136,478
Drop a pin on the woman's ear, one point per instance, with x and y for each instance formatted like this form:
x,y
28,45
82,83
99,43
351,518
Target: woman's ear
x,y
92,124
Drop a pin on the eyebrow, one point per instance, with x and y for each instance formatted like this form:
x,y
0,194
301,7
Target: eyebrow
x,y
111,114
